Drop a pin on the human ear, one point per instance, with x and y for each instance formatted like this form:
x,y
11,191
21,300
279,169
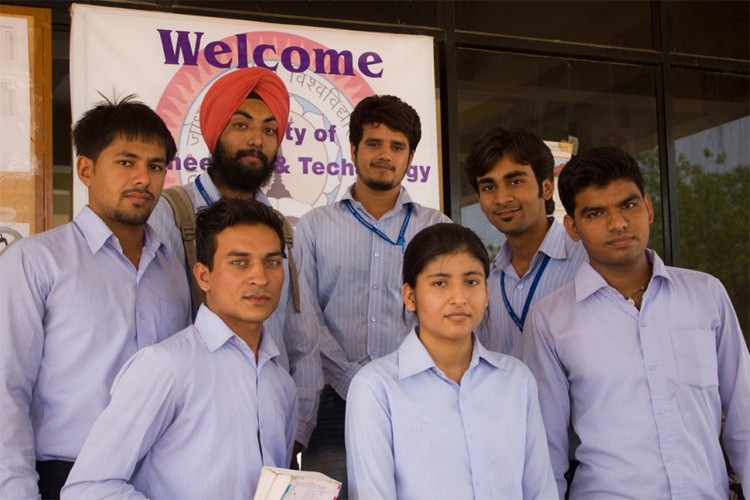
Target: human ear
x,y
548,187
409,300
649,208
85,169
570,227
202,275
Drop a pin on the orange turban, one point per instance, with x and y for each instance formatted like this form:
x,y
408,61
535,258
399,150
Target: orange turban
x,y
228,92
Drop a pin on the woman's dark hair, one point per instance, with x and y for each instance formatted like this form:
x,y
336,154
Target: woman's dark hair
x,y
391,112
126,118
441,239
230,212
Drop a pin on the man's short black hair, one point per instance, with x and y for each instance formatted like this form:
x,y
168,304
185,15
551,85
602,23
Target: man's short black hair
x,y
522,146
596,167
126,118
230,212
387,110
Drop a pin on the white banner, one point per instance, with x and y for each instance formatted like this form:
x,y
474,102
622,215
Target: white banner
x,y
170,60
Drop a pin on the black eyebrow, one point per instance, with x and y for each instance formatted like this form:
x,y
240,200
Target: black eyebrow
x,y
251,117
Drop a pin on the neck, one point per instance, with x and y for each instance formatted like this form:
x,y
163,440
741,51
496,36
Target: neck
x,y
376,202
452,357
229,192
250,334
626,279
131,238
524,246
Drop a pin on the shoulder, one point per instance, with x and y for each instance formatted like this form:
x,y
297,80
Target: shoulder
x,y
554,300
377,374
429,215
52,245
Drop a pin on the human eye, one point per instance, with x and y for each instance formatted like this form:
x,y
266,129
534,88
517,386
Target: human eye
x,y
273,263
487,188
593,214
124,163
629,204
239,125
473,282
515,182
269,131
157,167
439,283
399,147
238,262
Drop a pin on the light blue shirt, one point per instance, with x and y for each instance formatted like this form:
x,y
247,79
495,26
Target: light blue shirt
x,y
356,277
296,336
643,390
498,331
411,432
192,417
74,310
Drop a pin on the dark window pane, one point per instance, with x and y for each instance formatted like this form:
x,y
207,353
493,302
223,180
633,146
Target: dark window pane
x,y
409,13
715,28
712,127
619,24
600,104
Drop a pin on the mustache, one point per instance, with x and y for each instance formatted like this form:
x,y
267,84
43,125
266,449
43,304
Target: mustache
x,y
251,152
138,191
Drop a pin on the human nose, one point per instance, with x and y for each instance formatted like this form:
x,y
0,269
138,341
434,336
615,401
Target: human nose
x,y
257,274
503,195
616,221
255,137
141,174
458,294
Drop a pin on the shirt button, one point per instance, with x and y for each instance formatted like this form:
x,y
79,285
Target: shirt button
x,y
660,411
473,437
643,323
520,286
463,398
372,319
479,482
375,287
669,457
141,315
652,368
377,254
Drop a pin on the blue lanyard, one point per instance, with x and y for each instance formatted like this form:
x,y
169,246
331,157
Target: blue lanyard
x,y
520,322
401,241
203,191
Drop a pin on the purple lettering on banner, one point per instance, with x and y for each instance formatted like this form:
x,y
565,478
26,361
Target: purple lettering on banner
x,y
304,160
241,50
294,59
190,164
258,56
205,162
286,59
366,60
214,49
172,53
334,58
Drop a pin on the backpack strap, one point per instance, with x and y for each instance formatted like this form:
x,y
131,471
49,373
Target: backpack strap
x,y
289,240
184,217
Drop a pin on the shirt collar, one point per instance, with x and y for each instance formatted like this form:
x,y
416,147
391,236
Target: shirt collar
x,y
93,228
97,233
588,281
413,357
402,200
215,333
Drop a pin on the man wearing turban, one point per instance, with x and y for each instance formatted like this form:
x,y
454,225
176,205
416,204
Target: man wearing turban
x,y
243,119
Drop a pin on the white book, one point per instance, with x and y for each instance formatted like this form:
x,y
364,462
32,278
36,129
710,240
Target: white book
x,y
276,483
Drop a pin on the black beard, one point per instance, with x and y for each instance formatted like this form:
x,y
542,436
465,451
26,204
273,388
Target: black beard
x,y
229,171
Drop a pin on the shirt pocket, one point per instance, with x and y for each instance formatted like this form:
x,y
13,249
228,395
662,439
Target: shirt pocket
x,y
695,356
